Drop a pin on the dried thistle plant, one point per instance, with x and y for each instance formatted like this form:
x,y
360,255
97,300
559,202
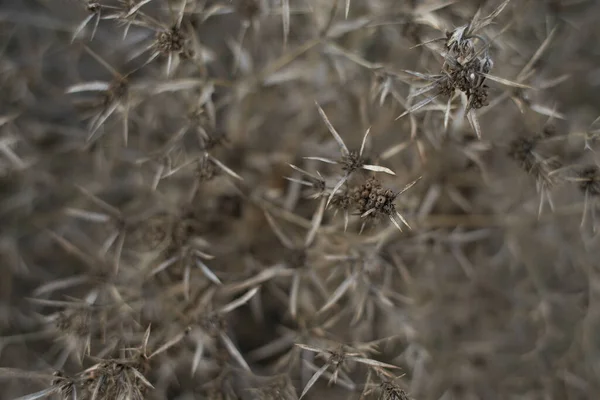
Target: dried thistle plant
x,y
163,164
350,161
465,68
338,359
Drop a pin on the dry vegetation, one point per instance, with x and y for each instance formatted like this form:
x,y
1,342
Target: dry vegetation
x,y
284,199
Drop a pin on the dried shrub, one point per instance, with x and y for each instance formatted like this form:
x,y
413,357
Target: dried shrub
x,y
284,199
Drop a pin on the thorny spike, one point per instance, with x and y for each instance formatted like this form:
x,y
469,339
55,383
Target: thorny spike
x,y
83,24
197,356
396,222
378,168
181,13
170,343
313,380
413,183
322,159
102,62
477,24
332,130
235,353
294,295
417,106
285,15
239,302
339,292
225,168
40,395
283,238
145,341
316,223
137,7
472,117
335,189
208,273
364,141
86,215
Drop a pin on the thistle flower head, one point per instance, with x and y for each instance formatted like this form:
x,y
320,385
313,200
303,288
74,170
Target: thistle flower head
x,y
390,391
374,202
170,41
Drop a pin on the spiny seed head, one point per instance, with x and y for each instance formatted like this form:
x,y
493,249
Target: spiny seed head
x,y
280,388
341,201
152,233
117,90
465,71
94,7
478,97
170,41
337,357
352,161
112,378
183,229
445,87
296,258
459,44
465,77
590,180
389,391
211,141
64,384
156,232
468,78
521,150
318,187
207,170
486,64
373,196
65,388
74,322
213,324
